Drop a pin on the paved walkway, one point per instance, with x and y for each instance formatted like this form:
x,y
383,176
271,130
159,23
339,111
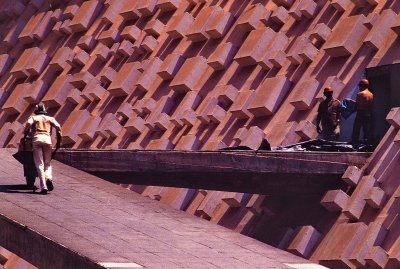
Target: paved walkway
x,y
116,227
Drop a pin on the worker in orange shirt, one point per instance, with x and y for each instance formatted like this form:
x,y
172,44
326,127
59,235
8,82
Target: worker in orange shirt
x,y
329,116
364,113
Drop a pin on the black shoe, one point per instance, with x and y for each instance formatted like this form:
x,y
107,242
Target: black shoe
x,y
49,184
43,192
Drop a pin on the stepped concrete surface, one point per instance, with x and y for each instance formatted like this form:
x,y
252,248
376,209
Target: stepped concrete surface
x,y
87,222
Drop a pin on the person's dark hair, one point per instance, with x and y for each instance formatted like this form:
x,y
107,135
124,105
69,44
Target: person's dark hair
x,y
40,109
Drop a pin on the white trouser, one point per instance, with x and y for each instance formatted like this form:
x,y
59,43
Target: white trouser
x,y
42,157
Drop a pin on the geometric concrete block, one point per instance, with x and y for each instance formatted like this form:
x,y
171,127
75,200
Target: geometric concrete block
x,y
85,16
249,20
189,74
280,15
376,197
394,117
253,138
252,50
304,241
302,97
352,175
334,200
340,5
180,25
343,42
321,32
306,130
269,96
222,57
171,65
197,31
220,25
377,257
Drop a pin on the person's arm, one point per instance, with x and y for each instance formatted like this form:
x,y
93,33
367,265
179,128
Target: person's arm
x,y
318,121
28,126
57,126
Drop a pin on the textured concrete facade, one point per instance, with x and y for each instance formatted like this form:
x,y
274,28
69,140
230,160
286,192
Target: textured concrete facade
x,y
186,74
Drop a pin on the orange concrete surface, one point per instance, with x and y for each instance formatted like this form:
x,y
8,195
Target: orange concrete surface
x,y
203,75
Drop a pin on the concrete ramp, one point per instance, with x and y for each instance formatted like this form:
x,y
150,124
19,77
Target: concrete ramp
x,y
87,222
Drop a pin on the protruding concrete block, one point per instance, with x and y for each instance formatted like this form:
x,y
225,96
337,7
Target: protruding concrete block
x,y
304,242
154,28
335,200
303,96
250,19
15,103
147,7
394,117
220,25
204,109
180,25
239,108
149,75
356,203
217,114
85,16
306,130
226,94
252,50
340,5
377,257
321,32
149,43
80,80
309,9
343,42
131,33
171,65
253,138
376,197
189,74
197,31
222,57
280,15
168,5
135,125
70,11
189,117
352,175
285,3
269,96
188,142
130,11
381,30
123,83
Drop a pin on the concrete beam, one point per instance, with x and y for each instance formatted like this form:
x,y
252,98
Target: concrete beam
x,y
263,173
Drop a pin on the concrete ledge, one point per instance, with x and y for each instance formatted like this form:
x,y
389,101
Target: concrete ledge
x,y
39,250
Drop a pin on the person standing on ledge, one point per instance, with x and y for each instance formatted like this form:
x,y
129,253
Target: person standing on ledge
x,y
329,116
363,119
39,127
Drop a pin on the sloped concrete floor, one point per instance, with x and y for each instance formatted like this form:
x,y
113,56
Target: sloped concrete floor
x,y
107,224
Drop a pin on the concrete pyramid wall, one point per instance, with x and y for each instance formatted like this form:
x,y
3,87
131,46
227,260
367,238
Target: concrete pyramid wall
x,y
203,75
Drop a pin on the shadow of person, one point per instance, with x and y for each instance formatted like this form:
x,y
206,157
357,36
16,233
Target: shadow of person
x,y
18,188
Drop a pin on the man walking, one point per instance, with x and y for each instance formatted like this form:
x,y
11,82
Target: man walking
x,y
329,116
39,126
364,113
